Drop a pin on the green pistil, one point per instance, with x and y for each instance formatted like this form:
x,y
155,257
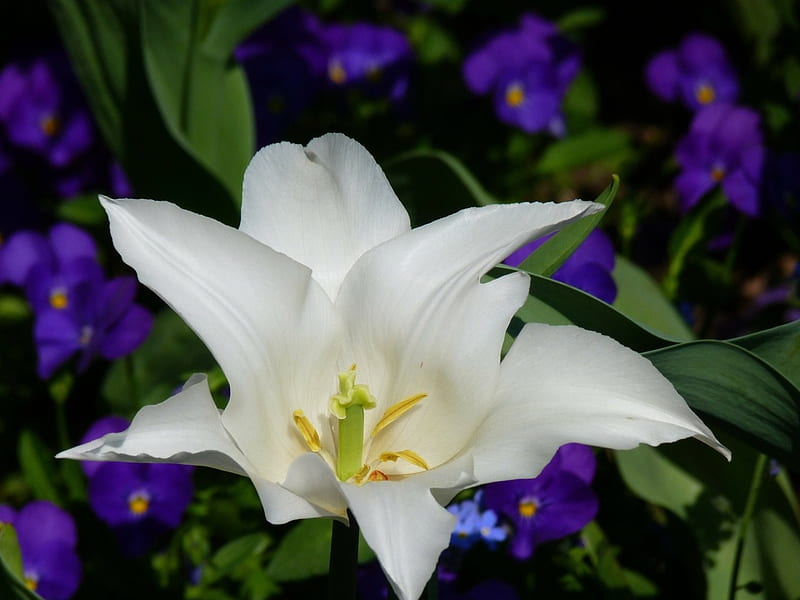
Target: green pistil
x,y
348,406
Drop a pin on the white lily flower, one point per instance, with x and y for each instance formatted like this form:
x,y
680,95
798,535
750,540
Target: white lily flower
x,y
363,356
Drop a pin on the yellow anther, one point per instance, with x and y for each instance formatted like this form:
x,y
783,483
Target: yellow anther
x,y
527,508
138,505
406,455
515,95
378,476
395,411
705,94
307,430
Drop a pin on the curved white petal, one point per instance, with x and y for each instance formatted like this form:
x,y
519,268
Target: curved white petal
x,y
272,329
561,384
324,204
185,428
404,522
419,320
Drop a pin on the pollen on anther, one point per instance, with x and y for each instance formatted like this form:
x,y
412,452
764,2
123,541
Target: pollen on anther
x,y
306,429
378,476
395,411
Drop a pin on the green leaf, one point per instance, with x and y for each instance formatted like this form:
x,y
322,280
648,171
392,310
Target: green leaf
x,y
38,466
583,148
641,298
169,355
710,497
581,18
11,585
552,254
739,389
779,346
203,96
236,20
305,552
433,184
237,557
83,210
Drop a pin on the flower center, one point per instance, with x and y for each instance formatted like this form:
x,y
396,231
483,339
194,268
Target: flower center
x,y
717,173
138,503
347,407
705,94
31,581
527,507
50,125
86,335
515,94
336,72
58,298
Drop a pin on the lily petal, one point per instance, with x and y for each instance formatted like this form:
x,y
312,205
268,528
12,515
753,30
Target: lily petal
x,y
420,321
562,384
268,324
324,205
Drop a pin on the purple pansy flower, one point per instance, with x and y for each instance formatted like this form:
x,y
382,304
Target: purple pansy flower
x,y
103,320
372,58
284,62
527,70
697,73
723,147
42,111
47,538
49,267
588,268
555,504
140,502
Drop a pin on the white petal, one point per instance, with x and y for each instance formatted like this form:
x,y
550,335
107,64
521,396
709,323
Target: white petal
x,y
185,428
324,205
405,525
566,384
421,322
269,325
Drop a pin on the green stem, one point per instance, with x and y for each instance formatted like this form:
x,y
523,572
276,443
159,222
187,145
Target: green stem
x,y
351,442
344,560
747,515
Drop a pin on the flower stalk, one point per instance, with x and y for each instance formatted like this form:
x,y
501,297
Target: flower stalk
x,y
342,572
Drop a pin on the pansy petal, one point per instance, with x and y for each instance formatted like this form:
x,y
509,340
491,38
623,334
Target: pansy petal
x,y
324,204
127,333
268,324
565,384
442,335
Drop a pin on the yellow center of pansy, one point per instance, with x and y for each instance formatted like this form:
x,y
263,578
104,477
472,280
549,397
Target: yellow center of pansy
x,y
336,72
347,408
717,173
515,95
59,299
138,504
50,125
527,508
705,94
31,582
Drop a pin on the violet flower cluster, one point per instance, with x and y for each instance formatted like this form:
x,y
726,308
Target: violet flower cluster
x,y
589,268
474,524
139,502
556,503
47,538
296,56
527,70
78,312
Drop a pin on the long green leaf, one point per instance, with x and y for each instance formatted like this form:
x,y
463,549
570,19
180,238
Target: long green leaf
x,y
779,346
11,585
38,466
235,20
552,254
737,388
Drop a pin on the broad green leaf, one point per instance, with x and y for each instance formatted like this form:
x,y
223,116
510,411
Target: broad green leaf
x,y
170,354
305,552
552,254
38,466
83,210
236,20
641,298
11,585
433,184
583,148
237,557
779,346
203,97
739,389
104,42
710,497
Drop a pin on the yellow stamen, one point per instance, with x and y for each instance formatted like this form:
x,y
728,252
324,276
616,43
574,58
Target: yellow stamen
x,y
515,95
138,505
336,72
307,430
527,508
378,476
395,411
406,455
58,299
705,94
